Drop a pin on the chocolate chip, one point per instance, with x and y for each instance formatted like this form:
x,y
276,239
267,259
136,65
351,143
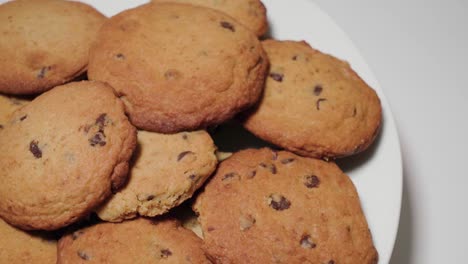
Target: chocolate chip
x,y
227,25
252,174
35,150
1,126
184,136
318,90
98,139
279,202
172,74
192,177
120,56
319,101
311,181
101,121
306,242
23,117
354,112
42,73
165,253
287,161
331,262
150,197
229,175
294,57
183,154
246,222
76,234
274,154
270,167
83,255
276,76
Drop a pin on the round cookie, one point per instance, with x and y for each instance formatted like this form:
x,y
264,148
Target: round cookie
x,y
314,104
44,43
251,13
17,246
179,67
167,170
62,154
278,207
8,105
135,241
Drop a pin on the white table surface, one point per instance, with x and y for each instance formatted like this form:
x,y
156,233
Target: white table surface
x,y
418,51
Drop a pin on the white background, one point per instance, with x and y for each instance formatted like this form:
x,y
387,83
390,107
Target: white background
x,y
418,50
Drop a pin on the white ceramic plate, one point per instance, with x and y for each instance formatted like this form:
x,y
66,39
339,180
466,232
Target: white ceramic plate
x,y
377,173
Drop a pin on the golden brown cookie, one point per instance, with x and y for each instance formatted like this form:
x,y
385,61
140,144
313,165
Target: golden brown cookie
x,y
62,154
18,246
276,207
167,170
44,43
136,241
251,13
314,104
179,67
8,105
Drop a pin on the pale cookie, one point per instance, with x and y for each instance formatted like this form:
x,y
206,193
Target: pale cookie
x,y
276,207
251,13
314,104
62,154
179,67
18,246
136,241
167,170
44,43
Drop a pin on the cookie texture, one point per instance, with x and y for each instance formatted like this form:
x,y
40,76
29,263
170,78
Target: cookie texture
x,y
278,207
171,76
314,104
8,105
167,170
136,241
62,154
44,43
18,246
251,13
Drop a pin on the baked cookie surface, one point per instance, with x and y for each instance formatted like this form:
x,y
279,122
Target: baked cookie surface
x,y
8,105
314,104
170,74
276,207
251,13
18,246
135,241
62,154
44,43
167,170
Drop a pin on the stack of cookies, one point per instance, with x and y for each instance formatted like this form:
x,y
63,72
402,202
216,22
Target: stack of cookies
x,y
107,127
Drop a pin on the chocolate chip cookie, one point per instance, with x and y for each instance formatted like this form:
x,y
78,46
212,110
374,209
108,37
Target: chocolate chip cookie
x,y
264,206
251,13
18,246
136,241
179,67
62,154
167,170
44,43
314,104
